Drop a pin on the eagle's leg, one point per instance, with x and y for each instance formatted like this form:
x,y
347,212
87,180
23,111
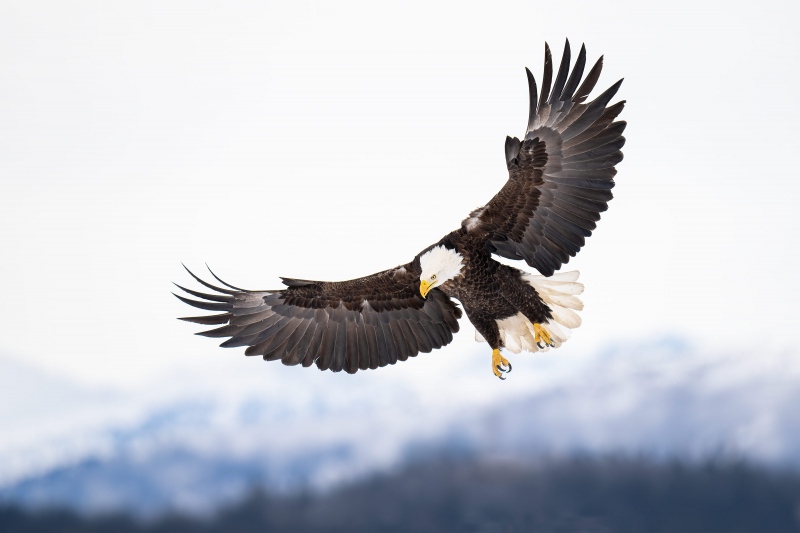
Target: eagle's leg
x,y
500,364
542,337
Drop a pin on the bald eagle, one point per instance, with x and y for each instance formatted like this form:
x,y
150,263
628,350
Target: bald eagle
x,y
560,178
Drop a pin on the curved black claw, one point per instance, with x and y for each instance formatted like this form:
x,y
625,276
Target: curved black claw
x,y
502,377
503,369
500,365
552,344
540,345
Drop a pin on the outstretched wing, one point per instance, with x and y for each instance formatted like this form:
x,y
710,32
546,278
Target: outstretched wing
x,y
350,325
560,175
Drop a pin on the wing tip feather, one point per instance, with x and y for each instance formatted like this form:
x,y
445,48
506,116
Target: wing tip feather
x,y
223,282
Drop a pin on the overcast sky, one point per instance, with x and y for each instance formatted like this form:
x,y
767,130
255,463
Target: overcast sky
x,y
332,140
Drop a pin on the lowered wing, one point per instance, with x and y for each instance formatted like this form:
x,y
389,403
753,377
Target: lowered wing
x,y
350,325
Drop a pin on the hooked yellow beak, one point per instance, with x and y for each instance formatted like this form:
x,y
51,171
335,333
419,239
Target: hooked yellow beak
x,y
424,287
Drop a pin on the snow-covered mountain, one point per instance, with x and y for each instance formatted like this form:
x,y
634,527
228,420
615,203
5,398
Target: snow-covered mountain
x,y
192,443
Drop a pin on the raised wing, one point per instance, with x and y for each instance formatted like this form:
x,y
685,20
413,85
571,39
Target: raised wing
x,y
560,175
350,325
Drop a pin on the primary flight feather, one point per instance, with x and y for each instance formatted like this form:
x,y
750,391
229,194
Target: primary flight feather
x,y
560,178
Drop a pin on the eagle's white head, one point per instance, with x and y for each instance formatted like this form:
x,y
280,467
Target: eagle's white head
x,y
439,265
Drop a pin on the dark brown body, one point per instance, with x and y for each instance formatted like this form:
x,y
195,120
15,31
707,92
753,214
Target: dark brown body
x,y
488,290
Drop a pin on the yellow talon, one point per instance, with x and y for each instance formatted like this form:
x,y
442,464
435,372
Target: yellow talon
x,y
542,337
500,364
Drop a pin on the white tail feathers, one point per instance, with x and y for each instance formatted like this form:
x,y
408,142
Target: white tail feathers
x,y
558,277
564,300
559,292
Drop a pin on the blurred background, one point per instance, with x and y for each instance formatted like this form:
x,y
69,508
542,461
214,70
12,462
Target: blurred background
x,y
270,139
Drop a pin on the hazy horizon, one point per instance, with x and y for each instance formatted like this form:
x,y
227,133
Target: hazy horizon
x,y
294,140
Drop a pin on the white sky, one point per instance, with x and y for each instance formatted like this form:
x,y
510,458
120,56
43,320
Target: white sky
x,y
334,140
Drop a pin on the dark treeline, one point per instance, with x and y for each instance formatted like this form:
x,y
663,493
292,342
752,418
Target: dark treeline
x,y
609,495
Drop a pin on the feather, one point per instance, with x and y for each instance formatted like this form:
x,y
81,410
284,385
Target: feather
x,y
599,163
603,185
548,76
575,77
451,319
610,134
561,243
556,330
600,151
560,221
589,194
265,332
561,204
315,346
301,348
544,261
340,346
570,276
571,289
208,306
208,320
382,350
261,326
587,204
423,340
327,348
512,149
589,83
370,333
252,318
433,311
249,310
533,104
574,112
277,353
561,77
362,350
574,222
563,300
593,112
351,354
605,121
566,317
225,331
294,344
226,284
391,345
255,349
398,340
437,341
291,282
408,336
239,340
445,332
210,286
211,297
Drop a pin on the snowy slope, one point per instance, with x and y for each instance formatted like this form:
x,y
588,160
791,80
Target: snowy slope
x,y
201,444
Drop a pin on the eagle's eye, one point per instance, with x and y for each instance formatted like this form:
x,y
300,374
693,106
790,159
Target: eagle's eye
x,y
433,276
